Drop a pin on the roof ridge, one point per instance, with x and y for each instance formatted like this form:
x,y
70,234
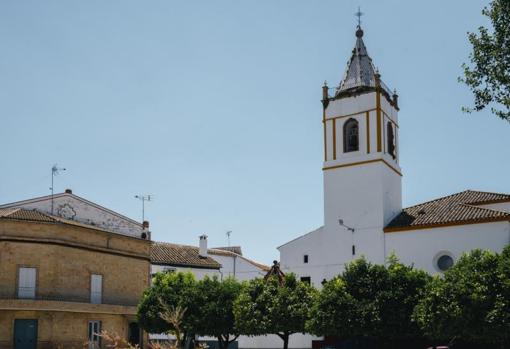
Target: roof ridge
x,y
437,199
485,209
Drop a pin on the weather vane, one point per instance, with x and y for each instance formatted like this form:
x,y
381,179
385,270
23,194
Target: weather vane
x,y
359,14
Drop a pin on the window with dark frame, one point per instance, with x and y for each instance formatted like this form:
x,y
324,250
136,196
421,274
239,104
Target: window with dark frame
x,y
391,140
305,258
94,338
353,250
351,136
306,279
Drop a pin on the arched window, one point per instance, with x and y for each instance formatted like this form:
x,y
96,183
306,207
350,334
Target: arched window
x,y
391,140
351,136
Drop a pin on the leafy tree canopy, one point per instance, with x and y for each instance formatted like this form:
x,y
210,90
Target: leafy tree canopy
x,y
268,307
175,290
216,301
470,302
488,76
369,300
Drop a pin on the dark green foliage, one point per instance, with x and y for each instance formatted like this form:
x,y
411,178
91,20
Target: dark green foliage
x,y
266,307
470,303
216,301
369,300
175,290
488,77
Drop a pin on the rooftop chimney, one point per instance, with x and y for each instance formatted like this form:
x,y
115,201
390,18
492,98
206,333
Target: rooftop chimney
x,y
145,225
202,247
69,191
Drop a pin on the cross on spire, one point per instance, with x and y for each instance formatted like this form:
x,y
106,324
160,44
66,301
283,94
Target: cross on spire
x,y
359,14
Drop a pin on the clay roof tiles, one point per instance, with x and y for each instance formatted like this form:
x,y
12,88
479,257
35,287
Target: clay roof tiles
x,y
25,215
460,208
180,255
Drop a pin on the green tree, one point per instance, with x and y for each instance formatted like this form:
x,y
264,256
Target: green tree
x,y
170,292
468,303
216,301
268,307
370,300
489,75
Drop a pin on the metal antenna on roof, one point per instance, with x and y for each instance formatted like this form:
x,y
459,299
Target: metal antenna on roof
x,y
228,237
359,14
144,198
55,171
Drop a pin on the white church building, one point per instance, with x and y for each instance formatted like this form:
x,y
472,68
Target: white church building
x,y
363,214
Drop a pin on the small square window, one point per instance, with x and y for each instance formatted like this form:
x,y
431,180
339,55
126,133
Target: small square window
x,y
306,279
305,258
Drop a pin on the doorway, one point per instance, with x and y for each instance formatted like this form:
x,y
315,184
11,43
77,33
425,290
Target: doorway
x,y
25,334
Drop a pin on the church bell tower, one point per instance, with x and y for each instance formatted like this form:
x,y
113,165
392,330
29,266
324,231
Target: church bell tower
x,y
362,176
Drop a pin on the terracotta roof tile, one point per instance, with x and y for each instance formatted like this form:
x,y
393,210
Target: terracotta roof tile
x,y
222,252
180,255
25,215
460,208
235,249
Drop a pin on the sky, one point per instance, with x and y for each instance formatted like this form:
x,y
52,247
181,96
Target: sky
x,y
213,107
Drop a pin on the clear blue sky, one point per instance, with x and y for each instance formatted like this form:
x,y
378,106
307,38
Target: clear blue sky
x,y
213,107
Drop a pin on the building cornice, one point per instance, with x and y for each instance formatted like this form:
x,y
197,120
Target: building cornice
x,y
447,224
325,168
71,244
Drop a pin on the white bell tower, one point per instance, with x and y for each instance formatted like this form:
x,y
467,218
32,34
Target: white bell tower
x,y
362,176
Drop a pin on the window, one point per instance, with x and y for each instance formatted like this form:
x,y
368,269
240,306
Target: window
x,y
94,338
305,258
444,262
391,139
26,282
353,250
96,288
306,279
351,136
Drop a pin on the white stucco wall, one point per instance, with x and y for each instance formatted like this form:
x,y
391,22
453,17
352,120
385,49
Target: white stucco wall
x,y
199,273
421,247
237,267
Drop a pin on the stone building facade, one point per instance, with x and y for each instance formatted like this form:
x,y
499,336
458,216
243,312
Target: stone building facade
x,y
61,281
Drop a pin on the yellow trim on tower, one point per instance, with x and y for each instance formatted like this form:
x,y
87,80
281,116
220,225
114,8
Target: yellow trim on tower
x,y
368,132
325,142
378,111
362,163
346,116
334,139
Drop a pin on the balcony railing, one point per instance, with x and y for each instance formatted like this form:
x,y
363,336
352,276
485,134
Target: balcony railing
x,y
68,297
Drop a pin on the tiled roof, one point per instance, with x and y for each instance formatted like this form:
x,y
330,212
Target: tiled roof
x,y
235,249
222,252
180,255
360,69
25,215
460,208
21,214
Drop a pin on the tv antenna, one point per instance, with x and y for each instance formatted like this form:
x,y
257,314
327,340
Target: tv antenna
x,y
55,171
359,14
228,236
144,198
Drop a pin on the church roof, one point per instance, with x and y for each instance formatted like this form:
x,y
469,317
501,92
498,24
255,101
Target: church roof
x,y
361,74
360,70
180,255
456,209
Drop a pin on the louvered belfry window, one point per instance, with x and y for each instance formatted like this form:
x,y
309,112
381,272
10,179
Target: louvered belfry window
x,y
351,136
391,140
